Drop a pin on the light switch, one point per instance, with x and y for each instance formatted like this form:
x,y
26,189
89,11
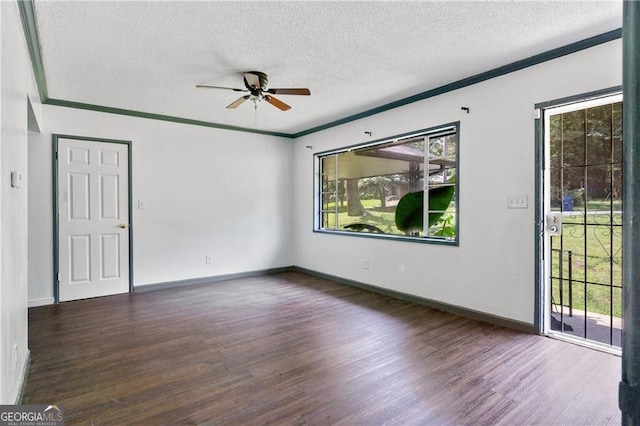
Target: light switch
x,y
141,205
16,179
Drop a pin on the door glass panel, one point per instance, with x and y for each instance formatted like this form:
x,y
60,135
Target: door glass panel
x,y
599,135
573,143
585,181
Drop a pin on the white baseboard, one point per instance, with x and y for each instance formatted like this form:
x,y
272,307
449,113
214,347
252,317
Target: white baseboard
x,y
40,302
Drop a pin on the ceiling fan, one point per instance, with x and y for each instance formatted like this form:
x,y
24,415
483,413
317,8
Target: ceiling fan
x,y
256,84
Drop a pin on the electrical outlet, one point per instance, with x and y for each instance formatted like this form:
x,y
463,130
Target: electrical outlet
x,y
517,202
365,263
208,260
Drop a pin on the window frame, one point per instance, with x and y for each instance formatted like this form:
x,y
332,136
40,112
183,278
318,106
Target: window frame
x,y
427,133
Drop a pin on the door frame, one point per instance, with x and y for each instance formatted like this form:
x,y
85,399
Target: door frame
x,y
56,235
540,148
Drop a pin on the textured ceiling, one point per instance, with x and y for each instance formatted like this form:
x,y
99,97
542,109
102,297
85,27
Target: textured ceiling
x,y
353,56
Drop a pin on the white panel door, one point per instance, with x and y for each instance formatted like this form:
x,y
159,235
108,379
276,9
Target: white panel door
x,y
93,219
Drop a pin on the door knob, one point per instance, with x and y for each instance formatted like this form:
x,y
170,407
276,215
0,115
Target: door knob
x,y
123,225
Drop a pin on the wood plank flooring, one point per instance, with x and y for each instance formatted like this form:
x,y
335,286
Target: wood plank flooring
x,y
294,349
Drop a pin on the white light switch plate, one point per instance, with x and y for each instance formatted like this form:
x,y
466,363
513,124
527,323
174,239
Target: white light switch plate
x,y
16,179
517,202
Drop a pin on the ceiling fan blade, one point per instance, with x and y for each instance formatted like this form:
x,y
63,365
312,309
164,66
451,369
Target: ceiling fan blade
x,y
277,103
206,86
297,91
253,80
238,102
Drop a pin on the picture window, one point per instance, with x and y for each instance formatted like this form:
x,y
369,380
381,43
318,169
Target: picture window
x,y
402,187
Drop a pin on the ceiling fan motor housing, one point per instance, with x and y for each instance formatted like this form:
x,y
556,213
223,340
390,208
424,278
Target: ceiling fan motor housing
x,y
262,78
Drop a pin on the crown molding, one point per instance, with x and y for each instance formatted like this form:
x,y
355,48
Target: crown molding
x,y
152,116
28,17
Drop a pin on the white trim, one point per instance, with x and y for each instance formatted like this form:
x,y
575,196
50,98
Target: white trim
x,y
23,378
591,344
578,105
41,302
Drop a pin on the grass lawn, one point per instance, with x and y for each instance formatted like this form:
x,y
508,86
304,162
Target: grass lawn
x,y
385,220
596,272
604,205
382,218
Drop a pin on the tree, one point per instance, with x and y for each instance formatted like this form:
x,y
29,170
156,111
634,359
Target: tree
x,y
341,192
585,147
354,205
378,187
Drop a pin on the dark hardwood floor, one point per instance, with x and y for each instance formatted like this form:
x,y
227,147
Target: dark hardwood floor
x,y
295,349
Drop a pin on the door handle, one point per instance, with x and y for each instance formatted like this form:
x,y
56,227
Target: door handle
x,y
123,225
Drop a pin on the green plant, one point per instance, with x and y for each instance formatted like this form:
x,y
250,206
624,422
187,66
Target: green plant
x,y
410,209
447,229
409,214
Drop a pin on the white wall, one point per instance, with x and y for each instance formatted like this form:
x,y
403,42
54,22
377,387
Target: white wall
x,y
492,271
40,291
206,192
16,84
